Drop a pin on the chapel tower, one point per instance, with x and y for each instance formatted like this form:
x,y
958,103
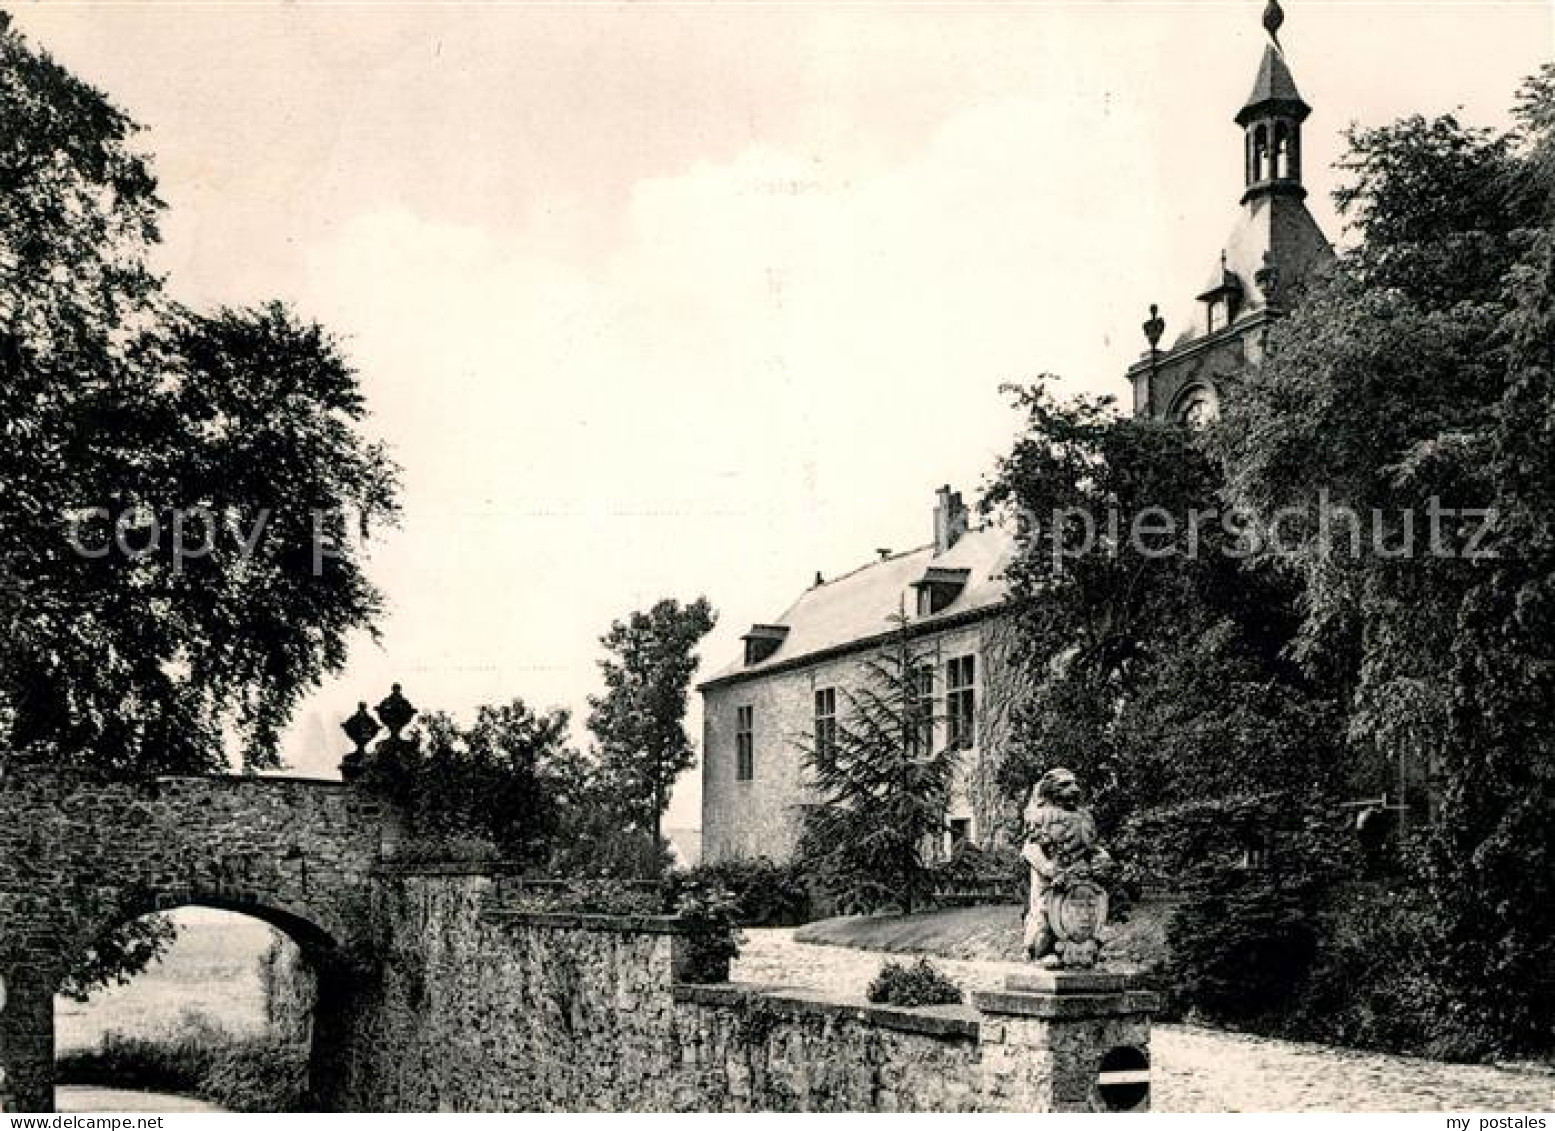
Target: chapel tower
x,y
1274,248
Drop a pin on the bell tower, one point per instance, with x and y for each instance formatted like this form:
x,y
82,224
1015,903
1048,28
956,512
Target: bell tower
x,y
1273,250
1271,121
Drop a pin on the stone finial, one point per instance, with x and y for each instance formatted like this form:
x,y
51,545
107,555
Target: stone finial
x,y
361,728
1155,327
396,712
1273,20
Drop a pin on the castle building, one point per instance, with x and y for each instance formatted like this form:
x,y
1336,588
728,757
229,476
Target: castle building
x,y
761,711
784,692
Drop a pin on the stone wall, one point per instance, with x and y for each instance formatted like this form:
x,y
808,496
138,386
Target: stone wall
x,y
80,855
479,1008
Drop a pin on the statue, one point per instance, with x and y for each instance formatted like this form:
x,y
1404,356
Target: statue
x,y
1068,903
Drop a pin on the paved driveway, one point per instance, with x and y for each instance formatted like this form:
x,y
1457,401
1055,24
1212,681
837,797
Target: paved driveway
x,y
1202,1070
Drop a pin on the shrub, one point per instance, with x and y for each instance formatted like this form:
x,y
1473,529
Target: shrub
x,y
591,897
766,894
973,874
616,853
918,983
257,1074
714,915
196,1057
1242,942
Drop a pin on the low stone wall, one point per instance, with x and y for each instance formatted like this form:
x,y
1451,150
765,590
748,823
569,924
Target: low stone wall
x,y
473,1007
749,1048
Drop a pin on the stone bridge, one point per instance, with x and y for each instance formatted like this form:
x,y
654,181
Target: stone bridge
x,y
79,856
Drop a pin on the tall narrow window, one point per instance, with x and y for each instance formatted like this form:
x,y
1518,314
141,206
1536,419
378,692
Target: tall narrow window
x,y
744,743
961,701
920,706
826,723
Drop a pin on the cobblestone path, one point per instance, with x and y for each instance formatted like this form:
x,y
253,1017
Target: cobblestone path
x,y
1203,1070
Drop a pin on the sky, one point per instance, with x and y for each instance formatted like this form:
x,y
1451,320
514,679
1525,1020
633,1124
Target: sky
x,y
676,299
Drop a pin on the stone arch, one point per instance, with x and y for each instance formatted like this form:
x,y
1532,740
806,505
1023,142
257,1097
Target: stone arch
x,y
81,854
1196,405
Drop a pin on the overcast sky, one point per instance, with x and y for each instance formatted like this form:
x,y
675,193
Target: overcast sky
x,y
680,299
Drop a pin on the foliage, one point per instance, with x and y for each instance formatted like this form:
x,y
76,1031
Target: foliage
x,y
1242,943
639,723
912,984
500,781
1158,664
1420,376
591,897
127,414
593,845
714,916
766,894
984,874
199,1058
257,1074
128,950
881,788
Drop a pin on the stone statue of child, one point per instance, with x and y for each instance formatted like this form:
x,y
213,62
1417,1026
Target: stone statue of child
x,y
1066,863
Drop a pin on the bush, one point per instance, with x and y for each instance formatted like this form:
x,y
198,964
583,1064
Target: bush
x,y
614,853
766,894
199,1058
973,874
591,897
257,1074
714,915
1242,942
918,983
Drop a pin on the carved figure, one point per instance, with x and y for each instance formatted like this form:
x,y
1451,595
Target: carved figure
x,y
1068,902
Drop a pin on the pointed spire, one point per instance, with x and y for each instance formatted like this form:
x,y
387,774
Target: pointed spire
x,y
1274,88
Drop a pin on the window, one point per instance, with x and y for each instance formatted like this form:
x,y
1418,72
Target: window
x,y
744,744
825,723
960,831
961,701
920,706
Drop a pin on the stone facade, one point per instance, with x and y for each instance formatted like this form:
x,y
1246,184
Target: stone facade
x,y
761,816
79,856
760,714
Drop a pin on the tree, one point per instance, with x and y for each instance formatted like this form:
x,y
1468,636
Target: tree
x,y
881,786
1155,652
639,723
175,488
178,487
1416,388
494,788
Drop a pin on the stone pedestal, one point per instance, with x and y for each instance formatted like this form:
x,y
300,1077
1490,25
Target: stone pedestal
x,y
1059,1040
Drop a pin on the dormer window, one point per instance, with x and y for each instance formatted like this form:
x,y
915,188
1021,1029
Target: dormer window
x,y
762,641
938,587
1223,300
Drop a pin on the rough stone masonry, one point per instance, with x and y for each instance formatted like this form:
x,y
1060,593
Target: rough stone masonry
x,y
433,994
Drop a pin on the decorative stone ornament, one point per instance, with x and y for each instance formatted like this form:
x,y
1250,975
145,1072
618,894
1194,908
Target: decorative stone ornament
x,y
1068,906
361,728
396,712
1154,327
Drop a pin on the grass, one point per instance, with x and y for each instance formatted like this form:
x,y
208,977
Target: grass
x,y
985,934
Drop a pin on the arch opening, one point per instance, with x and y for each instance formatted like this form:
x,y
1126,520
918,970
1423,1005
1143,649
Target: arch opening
x,y
232,1000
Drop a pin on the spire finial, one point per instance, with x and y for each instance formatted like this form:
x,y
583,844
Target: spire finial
x,y
1273,20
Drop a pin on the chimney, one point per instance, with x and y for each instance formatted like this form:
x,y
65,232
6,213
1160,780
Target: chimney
x,y
950,519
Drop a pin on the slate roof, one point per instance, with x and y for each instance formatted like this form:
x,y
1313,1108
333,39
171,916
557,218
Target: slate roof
x,y
859,606
1274,83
